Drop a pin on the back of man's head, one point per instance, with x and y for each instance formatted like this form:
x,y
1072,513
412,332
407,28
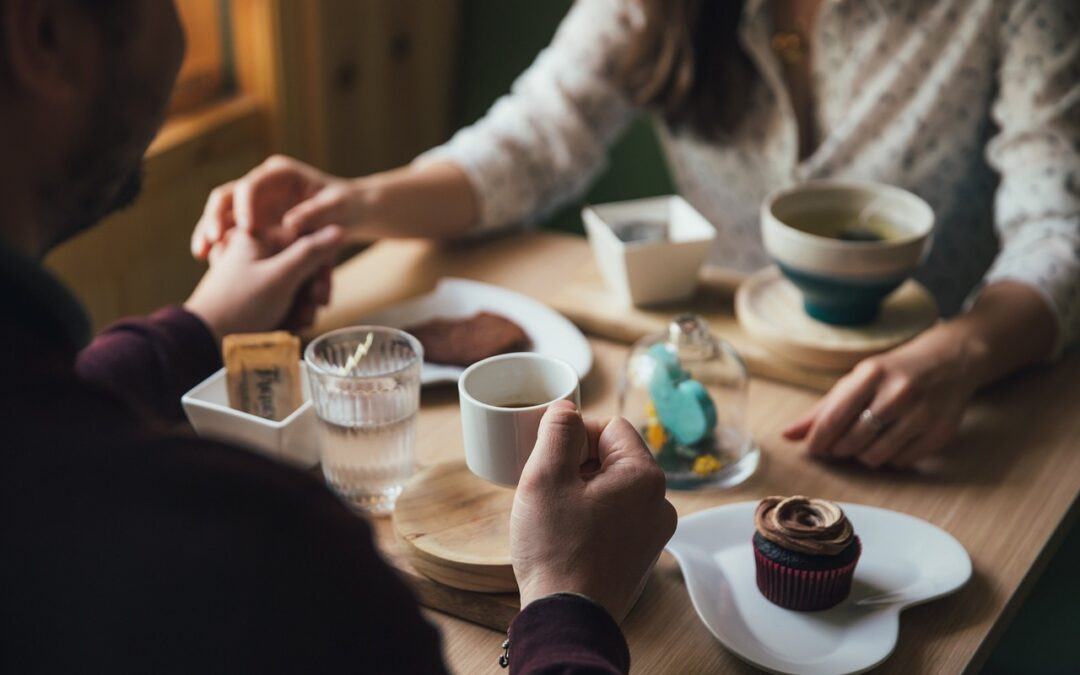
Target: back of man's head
x,y
83,89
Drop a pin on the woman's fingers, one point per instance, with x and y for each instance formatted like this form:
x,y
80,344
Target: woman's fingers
x,y
325,208
891,442
798,430
922,447
268,191
842,406
891,404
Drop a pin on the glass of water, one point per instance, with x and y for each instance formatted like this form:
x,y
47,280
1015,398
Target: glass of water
x,y
365,388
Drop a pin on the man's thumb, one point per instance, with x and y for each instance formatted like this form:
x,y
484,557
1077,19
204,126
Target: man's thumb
x,y
561,443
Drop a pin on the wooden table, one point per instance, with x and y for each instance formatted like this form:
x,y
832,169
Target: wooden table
x,y
1006,488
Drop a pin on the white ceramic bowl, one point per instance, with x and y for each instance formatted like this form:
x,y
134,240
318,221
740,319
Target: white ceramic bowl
x,y
293,440
844,282
650,272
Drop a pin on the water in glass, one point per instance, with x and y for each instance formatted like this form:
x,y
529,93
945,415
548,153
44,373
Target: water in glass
x,y
367,412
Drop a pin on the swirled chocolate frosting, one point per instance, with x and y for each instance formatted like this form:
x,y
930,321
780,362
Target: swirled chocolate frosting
x,y
813,526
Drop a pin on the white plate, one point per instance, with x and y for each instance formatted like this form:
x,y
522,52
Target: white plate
x,y
550,332
905,561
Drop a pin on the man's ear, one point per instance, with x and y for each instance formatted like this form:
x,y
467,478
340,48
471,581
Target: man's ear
x,y
46,44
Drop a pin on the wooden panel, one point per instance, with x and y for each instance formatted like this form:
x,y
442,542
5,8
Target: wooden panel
x,y
385,74
202,74
352,86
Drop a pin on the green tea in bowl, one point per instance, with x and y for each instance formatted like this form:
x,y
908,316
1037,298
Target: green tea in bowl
x,y
848,225
846,245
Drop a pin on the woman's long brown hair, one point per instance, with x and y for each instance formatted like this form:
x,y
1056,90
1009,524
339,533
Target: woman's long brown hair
x,y
687,65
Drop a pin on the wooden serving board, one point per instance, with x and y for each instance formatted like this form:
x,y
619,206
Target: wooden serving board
x,y
588,303
455,528
490,610
770,308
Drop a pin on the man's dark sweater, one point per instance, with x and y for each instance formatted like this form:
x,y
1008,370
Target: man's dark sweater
x,y
126,549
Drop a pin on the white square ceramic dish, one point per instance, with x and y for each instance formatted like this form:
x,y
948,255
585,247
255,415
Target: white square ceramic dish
x,y
294,440
650,272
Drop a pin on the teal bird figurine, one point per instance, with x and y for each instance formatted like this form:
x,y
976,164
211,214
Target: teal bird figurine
x,y
683,405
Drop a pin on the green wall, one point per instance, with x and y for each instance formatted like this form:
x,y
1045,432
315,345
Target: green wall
x,y
500,39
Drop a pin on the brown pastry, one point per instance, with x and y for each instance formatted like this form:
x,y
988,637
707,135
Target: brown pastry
x,y
463,342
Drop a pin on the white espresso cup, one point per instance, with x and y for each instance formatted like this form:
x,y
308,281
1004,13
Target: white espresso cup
x,y
502,401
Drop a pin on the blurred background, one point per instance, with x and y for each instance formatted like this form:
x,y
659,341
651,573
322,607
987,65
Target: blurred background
x,y
350,86
357,86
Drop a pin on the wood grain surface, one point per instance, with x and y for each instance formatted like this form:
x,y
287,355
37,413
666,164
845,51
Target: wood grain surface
x,y
587,302
1006,487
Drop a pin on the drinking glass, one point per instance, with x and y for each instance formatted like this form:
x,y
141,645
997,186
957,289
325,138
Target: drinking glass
x,y
365,389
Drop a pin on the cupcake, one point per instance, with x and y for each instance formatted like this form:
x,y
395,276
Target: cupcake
x,y
805,552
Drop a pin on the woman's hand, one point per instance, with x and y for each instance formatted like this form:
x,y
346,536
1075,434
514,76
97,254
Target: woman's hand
x,y
895,408
904,405
279,200
284,198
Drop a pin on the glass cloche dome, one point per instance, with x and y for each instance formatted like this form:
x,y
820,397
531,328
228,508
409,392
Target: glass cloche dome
x,y
685,391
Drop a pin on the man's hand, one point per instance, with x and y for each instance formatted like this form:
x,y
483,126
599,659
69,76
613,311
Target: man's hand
x,y
278,200
253,287
596,529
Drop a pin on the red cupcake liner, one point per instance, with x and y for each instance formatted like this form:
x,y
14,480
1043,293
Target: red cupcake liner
x,y
804,590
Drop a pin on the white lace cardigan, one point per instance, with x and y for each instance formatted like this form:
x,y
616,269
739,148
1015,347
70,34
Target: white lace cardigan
x,y
972,104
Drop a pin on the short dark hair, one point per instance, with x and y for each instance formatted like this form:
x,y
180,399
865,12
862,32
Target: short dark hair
x,y
113,16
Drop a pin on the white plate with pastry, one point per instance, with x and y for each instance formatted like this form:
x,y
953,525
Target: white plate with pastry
x,y
905,561
548,332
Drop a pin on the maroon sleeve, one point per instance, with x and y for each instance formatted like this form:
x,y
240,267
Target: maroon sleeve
x,y
567,634
151,362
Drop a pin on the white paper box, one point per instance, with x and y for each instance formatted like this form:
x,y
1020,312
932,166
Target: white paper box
x,y
294,440
650,272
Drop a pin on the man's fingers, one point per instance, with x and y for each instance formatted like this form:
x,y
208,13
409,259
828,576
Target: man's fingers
x,y
304,257
321,285
621,440
560,443
595,428
841,406
299,317
625,459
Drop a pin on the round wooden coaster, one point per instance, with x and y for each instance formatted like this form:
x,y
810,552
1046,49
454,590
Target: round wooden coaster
x,y
455,528
770,309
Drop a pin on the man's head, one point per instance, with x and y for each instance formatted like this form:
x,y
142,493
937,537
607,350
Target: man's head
x,y
83,89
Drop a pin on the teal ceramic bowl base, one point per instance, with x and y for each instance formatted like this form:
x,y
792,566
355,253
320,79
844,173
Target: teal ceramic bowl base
x,y
842,302
843,314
